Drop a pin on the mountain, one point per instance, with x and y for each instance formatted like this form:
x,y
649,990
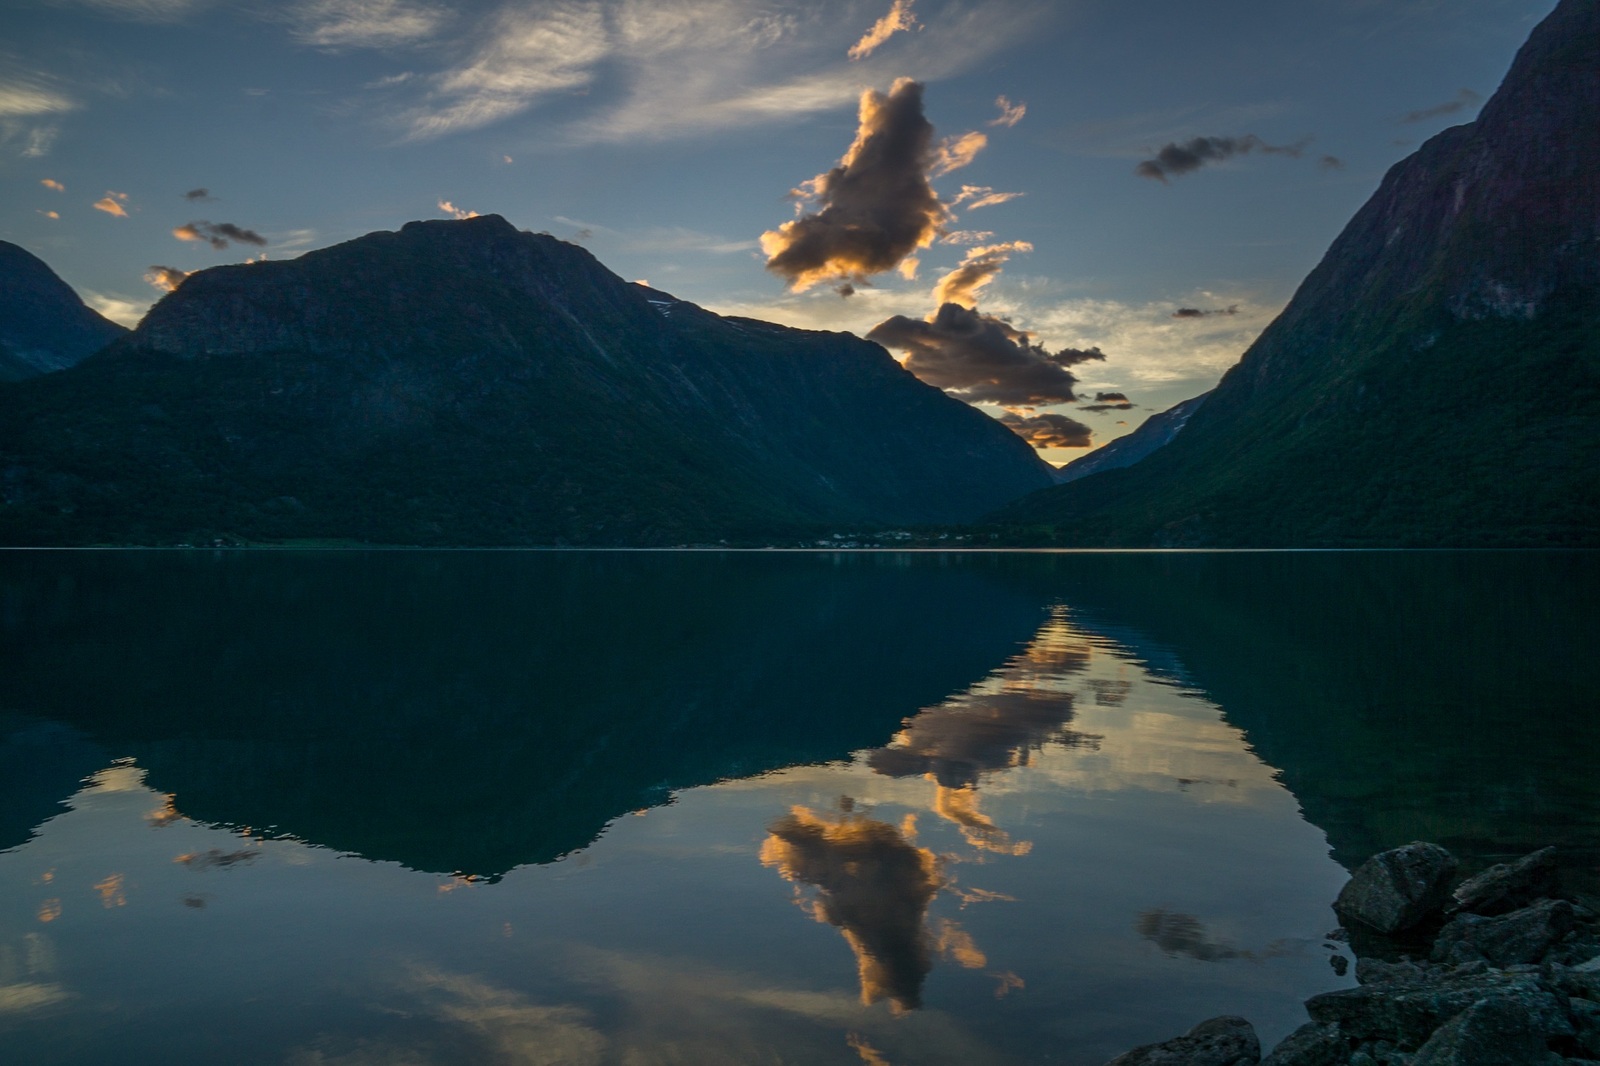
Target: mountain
x,y
1154,432
44,326
1435,380
461,382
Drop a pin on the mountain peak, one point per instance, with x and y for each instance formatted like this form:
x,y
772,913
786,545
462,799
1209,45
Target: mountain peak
x,y
44,325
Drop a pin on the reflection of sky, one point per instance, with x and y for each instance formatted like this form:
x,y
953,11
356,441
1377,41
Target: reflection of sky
x,y
1085,858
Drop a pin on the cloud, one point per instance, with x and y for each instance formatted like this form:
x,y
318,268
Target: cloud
x,y
24,98
1464,99
976,196
1110,401
218,234
877,205
119,309
165,278
199,196
976,734
1195,312
1048,430
899,18
111,203
53,215
954,153
967,236
455,212
1010,114
366,23
873,885
51,183
982,359
527,54
1175,159
980,266
1331,162
143,10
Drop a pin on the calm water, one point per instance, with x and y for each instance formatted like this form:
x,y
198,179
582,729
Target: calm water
x,y
528,808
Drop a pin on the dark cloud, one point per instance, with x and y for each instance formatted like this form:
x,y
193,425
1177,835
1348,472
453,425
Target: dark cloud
x,y
1464,99
980,358
1048,430
1331,162
1110,401
845,289
1195,312
1176,159
165,277
1176,933
218,234
199,196
873,885
877,205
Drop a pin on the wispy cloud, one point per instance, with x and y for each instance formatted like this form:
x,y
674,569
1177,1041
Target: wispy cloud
x,y
111,203
52,215
199,196
1175,159
1464,99
954,153
1196,312
978,268
456,212
21,98
528,55
1010,114
976,196
51,183
897,20
140,10
366,23
218,234
119,309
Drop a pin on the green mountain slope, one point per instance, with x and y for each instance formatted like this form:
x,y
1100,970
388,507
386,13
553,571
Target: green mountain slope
x,y
466,383
1436,379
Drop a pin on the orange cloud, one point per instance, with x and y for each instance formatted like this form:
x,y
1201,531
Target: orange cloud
x,y
165,278
455,212
51,214
1049,430
956,152
111,203
976,196
980,267
899,18
1010,114
51,183
877,205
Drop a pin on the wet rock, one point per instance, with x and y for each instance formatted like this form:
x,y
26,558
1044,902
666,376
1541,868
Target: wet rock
x,y
1311,1045
1377,972
1496,1031
1521,937
1408,1016
1586,1022
1508,886
1398,889
1225,1041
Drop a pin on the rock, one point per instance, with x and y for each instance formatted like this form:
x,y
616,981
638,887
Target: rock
x,y
1378,972
1492,1032
1398,889
1586,1020
1311,1045
1408,1015
1508,886
1521,937
1225,1041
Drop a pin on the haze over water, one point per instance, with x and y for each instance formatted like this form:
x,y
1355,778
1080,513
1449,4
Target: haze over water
x,y
803,807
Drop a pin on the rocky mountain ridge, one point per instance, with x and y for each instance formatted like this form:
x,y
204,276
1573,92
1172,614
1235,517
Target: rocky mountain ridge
x,y
44,325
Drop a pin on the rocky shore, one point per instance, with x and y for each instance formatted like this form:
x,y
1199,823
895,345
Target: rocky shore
x,y
1496,970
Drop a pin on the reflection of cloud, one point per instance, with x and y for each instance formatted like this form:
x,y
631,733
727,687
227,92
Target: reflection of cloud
x,y
872,884
1182,934
899,18
959,806
512,1027
217,859
1109,693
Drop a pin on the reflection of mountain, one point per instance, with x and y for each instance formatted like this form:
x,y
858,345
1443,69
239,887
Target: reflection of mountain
x,y
41,764
1403,696
464,711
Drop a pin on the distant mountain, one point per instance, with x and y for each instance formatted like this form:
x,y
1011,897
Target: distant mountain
x,y
1154,432
461,382
44,326
1436,379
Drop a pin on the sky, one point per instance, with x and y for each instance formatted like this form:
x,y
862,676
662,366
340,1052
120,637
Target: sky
x,y
1073,214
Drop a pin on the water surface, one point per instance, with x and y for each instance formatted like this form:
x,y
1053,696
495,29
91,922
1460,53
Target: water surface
x,y
431,808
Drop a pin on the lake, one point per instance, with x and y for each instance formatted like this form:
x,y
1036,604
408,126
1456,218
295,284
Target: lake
x,y
418,808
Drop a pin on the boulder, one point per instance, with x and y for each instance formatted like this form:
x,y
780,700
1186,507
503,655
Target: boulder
x,y
1398,889
1311,1045
1408,1015
1519,938
1508,886
1225,1041
1496,1031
